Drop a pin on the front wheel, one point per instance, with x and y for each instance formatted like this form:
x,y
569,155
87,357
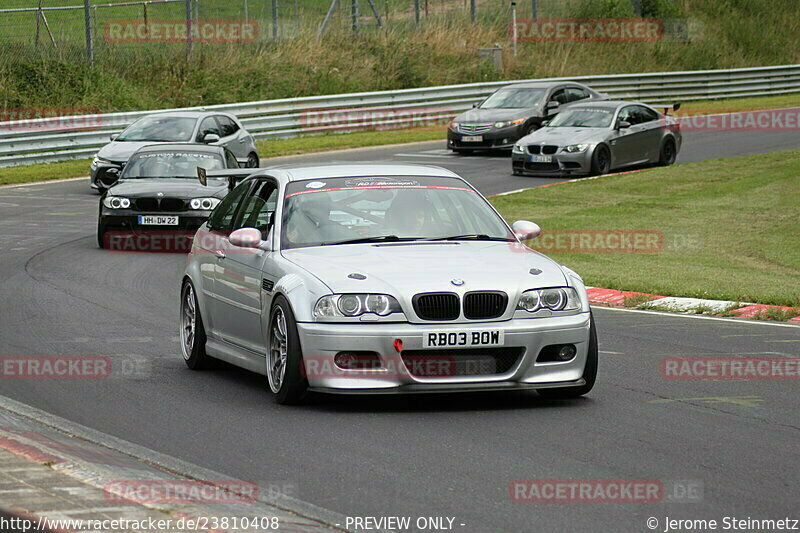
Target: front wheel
x,y
192,333
285,358
601,161
101,235
589,371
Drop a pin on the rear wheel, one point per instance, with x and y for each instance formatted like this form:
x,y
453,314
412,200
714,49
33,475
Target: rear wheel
x,y
601,161
285,357
668,153
192,334
252,160
589,371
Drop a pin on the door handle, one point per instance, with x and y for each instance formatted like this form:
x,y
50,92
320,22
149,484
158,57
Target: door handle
x,y
220,254
242,140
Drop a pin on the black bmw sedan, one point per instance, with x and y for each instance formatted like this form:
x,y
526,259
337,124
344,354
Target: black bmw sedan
x,y
158,202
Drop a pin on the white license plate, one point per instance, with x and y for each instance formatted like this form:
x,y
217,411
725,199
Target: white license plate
x,y
157,220
472,138
541,159
463,339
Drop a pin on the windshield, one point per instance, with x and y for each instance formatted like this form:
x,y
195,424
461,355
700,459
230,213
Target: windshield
x,y
336,211
160,129
513,99
584,117
170,165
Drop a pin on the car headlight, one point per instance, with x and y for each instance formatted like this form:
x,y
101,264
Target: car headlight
x,y
576,148
555,299
453,125
508,123
351,305
97,160
206,204
518,149
116,202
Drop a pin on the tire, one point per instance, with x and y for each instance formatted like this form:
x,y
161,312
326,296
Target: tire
x,y
601,160
101,235
589,371
531,128
252,160
668,154
288,383
194,348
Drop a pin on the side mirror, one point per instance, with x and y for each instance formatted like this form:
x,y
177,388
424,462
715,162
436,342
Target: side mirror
x,y
209,138
623,124
525,230
545,123
113,136
475,104
552,104
246,238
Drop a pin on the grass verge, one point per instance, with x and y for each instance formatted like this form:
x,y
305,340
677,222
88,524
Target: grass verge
x,y
727,227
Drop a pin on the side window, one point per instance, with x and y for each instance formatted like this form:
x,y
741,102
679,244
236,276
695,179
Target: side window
x,y
222,218
209,125
258,208
559,96
227,126
230,159
628,115
646,115
576,93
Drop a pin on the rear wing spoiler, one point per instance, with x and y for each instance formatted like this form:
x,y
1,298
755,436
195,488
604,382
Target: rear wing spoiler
x,y
675,107
233,175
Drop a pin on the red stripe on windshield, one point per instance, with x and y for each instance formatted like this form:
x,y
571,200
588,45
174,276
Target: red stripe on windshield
x,y
380,187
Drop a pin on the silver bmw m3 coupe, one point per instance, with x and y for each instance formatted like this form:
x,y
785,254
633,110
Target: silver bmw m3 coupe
x,y
381,279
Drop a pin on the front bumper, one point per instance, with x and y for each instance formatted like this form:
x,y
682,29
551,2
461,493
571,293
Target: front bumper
x,y
562,164
495,139
321,342
98,177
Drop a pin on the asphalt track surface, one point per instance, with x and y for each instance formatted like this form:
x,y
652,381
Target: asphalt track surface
x,y
431,455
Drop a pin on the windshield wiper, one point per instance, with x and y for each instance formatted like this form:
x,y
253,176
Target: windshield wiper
x,y
379,238
471,237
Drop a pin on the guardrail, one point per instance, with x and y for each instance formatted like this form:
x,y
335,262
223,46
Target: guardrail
x,y
37,141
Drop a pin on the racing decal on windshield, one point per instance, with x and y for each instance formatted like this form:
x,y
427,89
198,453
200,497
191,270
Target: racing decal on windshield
x,y
197,155
315,185
367,182
381,186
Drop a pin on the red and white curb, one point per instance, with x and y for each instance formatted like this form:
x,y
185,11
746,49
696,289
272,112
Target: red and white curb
x,y
618,298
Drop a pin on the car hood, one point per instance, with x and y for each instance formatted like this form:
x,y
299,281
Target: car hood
x,y
121,151
477,115
172,187
405,269
565,136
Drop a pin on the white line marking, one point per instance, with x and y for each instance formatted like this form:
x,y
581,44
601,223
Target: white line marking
x,y
46,182
740,321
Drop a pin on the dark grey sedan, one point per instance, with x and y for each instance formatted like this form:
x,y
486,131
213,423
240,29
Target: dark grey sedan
x,y
595,137
513,112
